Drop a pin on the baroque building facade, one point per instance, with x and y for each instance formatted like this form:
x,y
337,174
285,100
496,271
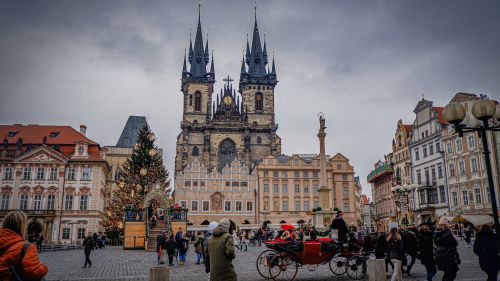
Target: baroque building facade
x,y
381,179
56,175
218,128
288,188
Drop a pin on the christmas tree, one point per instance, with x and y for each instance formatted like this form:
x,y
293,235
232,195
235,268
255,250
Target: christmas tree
x,y
143,171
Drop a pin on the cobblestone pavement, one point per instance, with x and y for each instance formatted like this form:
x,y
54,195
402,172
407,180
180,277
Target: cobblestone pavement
x,y
115,264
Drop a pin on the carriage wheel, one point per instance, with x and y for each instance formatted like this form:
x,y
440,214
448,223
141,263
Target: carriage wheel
x,y
338,265
262,263
283,267
356,267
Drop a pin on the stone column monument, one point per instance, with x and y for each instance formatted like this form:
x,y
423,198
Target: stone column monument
x,y
323,217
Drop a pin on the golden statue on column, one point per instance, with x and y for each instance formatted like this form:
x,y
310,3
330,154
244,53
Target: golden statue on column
x,y
323,217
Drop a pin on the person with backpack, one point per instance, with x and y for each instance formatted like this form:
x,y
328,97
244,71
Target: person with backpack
x,y
426,254
17,256
396,253
446,255
485,249
198,245
88,246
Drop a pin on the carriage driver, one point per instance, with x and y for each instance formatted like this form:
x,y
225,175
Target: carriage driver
x,y
339,224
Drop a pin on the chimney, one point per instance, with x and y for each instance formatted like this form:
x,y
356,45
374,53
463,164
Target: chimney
x,y
83,130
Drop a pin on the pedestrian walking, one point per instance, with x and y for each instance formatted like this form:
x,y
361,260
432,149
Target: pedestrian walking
x,y
19,257
446,255
340,227
485,249
94,238
220,253
88,246
198,247
244,240
211,227
396,253
39,242
468,235
158,246
183,245
170,246
381,251
426,254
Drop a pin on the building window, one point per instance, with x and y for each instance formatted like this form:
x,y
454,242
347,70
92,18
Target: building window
x,y
7,173
275,188
440,171
23,203
306,175
315,203
285,205
86,174
344,177
422,198
266,205
276,205
81,233
315,174
206,206
306,205
419,177
53,174
37,202
40,173
473,165
431,149
258,102
427,179
442,194
265,174
275,173
297,205
454,196
433,173
424,150
249,206
5,202
449,147
306,188
51,200
27,173
285,174
461,166
69,202
297,188
345,192
71,174
459,145
238,206
197,101
266,187
65,234
452,170
227,206
194,206
284,188
315,187
417,155
478,196
488,195
84,198
471,142
465,197
297,174
346,207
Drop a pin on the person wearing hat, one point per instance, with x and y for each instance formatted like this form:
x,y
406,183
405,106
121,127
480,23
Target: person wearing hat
x,y
220,252
446,254
339,224
211,227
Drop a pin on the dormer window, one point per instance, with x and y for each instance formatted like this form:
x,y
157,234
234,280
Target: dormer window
x,y
11,134
81,150
54,134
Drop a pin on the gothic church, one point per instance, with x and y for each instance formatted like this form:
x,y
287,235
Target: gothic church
x,y
218,128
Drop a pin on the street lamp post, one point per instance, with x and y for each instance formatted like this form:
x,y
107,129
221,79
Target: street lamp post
x,y
485,111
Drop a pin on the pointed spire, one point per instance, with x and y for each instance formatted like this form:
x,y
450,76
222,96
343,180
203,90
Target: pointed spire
x,y
264,53
248,52
184,69
273,69
256,64
206,51
243,68
212,69
200,61
191,53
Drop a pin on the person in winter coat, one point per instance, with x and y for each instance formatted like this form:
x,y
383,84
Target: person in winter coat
x,y
381,251
206,261
221,253
446,255
11,247
410,243
426,255
468,234
484,248
88,246
182,246
198,247
170,245
158,246
339,224
396,253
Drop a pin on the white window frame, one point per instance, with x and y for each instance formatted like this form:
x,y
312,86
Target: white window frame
x,y
474,168
23,198
86,174
51,202
40,174
299,205
236,206
7,173
5,201
251,204
283,204
471,142
197,205
478,196
465,197
71,174
26,173
461,167
84,203
454,197
66,202
459,145
449,148
37,202
53,173
225,209
202,204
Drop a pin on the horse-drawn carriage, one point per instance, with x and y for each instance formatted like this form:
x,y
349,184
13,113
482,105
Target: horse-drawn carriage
x,y
283,258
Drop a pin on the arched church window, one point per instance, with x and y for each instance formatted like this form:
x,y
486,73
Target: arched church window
x,y
258,101
227,153
196,151
190,100
197,101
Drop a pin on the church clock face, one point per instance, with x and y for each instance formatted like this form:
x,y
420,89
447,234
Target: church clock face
x,y
227,100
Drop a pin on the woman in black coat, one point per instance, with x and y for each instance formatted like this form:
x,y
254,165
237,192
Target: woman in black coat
x,y
484,248
426,254
446,255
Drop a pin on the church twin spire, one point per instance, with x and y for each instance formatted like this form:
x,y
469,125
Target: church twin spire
x,y
255,59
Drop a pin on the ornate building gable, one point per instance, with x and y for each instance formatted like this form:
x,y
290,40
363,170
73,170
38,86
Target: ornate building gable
x,y
421,105
340,158
41,154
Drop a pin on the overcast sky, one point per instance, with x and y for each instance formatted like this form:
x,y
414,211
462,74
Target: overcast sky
x,y
364,64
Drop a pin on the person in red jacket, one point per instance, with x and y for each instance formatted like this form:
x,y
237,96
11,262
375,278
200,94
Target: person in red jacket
x,y
11,244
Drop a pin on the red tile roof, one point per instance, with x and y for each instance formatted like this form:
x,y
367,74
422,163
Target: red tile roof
x,y
439,111
34,134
